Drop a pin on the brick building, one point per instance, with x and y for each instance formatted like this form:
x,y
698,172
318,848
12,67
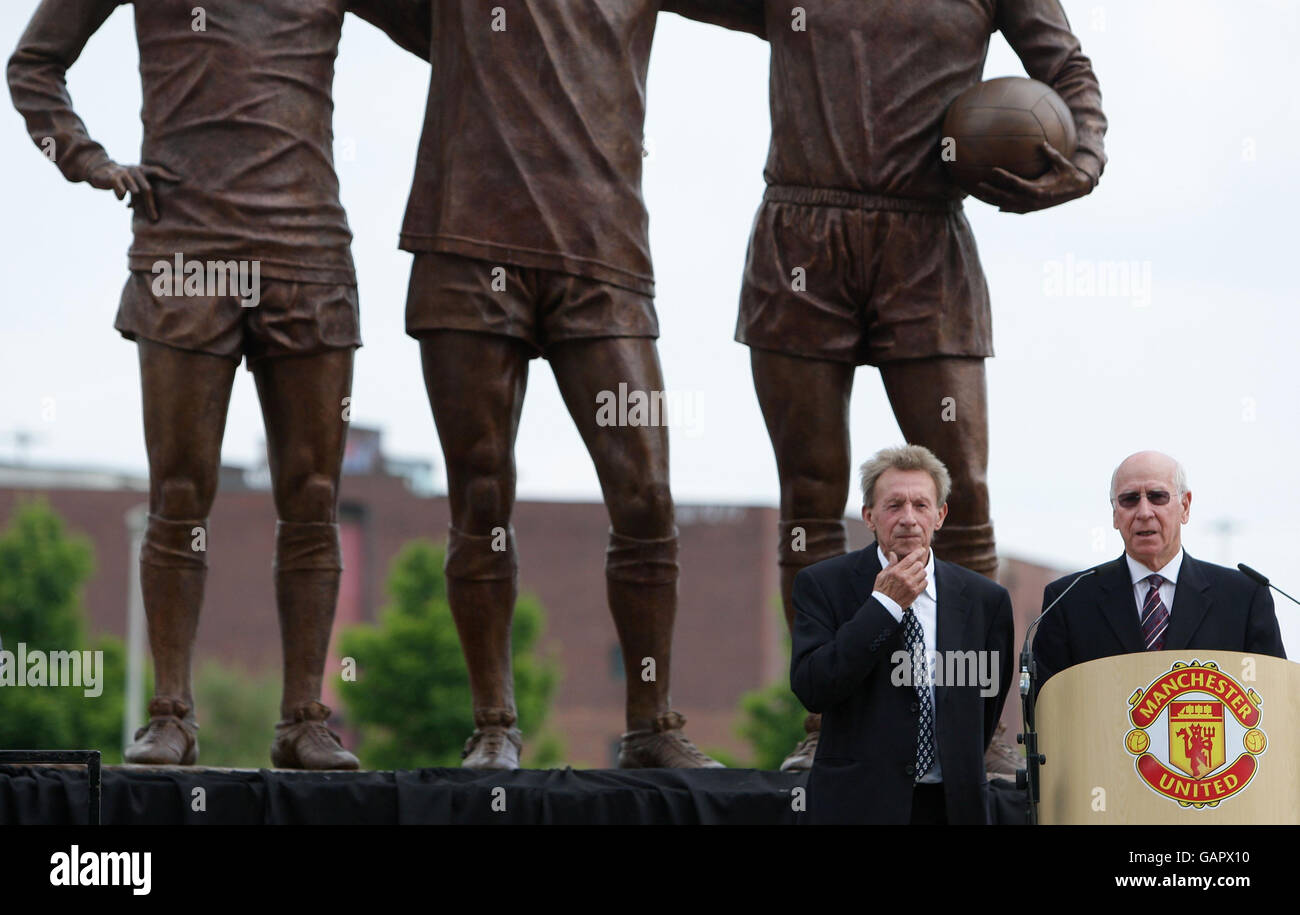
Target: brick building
x,y
729,632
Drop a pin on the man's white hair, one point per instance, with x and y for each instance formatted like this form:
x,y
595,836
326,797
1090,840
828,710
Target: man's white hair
x,y
1180,477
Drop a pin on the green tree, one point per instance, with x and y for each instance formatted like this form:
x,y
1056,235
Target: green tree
x,y
43,570
772,722
236,710
411,701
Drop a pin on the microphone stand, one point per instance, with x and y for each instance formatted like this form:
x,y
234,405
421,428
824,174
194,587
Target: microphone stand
x,y
1028,777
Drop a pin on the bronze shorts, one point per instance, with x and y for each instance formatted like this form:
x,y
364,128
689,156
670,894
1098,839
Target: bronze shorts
x,y
884,279
539,307
290,319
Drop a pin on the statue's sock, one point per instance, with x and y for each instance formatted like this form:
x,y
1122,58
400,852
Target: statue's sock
x,y
804,541
482,584
307,567
173,571
641,585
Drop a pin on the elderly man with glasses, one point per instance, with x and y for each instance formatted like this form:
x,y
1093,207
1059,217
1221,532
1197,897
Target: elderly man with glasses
x,y
1155,597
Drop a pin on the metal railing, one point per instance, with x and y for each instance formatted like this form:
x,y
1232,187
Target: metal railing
x,y
88,758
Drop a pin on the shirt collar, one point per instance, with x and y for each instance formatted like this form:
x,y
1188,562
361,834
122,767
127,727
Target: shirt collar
x,y
931,590
1137,571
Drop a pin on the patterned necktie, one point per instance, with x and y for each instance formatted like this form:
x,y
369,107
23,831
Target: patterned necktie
x,y
914,641
1155,616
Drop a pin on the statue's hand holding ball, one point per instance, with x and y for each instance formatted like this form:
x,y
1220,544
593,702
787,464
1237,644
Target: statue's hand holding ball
x,y
1063,182
1011,140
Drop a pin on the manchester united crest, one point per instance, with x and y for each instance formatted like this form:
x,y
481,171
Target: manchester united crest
x,y
1196,734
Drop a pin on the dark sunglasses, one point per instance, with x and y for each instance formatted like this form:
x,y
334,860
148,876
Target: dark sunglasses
x,y
1131,499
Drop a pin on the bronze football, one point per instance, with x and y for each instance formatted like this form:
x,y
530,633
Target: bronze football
x,y
1001,123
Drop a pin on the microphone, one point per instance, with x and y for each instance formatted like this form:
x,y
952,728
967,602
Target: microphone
x,y
1026,653
1256,576
1027,777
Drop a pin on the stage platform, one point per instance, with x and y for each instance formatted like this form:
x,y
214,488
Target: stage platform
x,y
171,795
147,795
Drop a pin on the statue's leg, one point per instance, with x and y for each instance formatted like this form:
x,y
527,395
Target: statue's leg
x,y
805,404
185,397
931,329
303,402
641,561
800,315
957,432
476,384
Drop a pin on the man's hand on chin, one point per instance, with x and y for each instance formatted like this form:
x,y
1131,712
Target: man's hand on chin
x,y
904,579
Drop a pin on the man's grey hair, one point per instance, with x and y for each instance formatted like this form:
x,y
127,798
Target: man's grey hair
x,y
904,457
1180,479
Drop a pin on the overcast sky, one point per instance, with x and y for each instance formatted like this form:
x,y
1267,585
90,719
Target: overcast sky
x,y
1199,194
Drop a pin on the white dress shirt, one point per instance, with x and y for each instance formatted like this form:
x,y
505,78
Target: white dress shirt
x,y
926,608
1139,573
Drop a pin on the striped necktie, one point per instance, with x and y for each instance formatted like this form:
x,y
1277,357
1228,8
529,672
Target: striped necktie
x,y
1155,615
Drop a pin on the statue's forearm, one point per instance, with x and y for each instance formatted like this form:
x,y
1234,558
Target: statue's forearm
x,y
1039,33
38,85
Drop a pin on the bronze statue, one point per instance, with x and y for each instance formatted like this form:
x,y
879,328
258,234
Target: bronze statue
x,y
860,253
530,239
241,248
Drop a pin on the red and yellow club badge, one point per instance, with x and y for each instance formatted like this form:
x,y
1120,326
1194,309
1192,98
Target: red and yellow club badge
x,y
1187,724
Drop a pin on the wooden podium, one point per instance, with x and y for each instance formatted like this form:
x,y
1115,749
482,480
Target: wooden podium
x,y
1171,737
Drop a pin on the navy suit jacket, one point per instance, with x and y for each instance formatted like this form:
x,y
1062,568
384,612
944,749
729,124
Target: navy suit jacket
x,y
1214,608
841,665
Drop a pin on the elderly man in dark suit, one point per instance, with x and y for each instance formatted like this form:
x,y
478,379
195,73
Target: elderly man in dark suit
x,y
1155,597
907,657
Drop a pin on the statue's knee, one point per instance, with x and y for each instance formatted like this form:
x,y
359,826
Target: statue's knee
x,y
816,494
481,479
486,500
320,494
311,497
968,499
183,498
644,508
